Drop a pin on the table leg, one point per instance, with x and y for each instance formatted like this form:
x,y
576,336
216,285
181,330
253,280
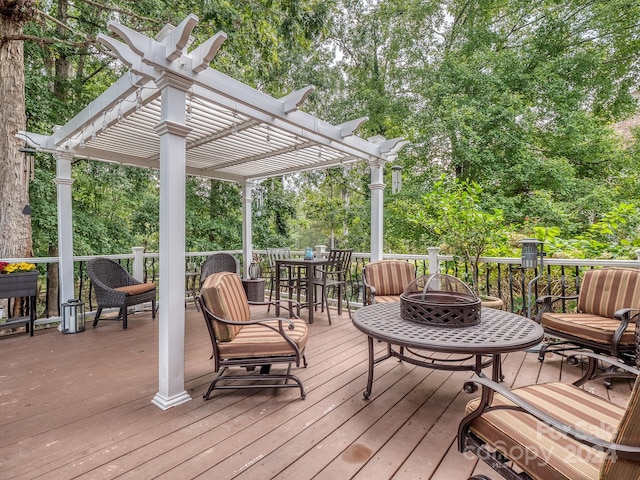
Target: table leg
x,y
496,368
310,292
367,392
277,287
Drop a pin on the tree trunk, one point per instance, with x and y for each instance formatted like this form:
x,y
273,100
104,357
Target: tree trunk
x,y
53,280
15,227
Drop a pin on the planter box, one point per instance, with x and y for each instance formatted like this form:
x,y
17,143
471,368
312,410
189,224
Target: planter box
x,y
18,285
15,285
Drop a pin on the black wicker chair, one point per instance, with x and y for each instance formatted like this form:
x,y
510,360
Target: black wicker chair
x,y
114,287
219,262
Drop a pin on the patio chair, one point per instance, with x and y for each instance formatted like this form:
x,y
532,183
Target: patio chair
x,y
385,280
115,287
607,310
219,262
241,342
553,430
291,279
334,275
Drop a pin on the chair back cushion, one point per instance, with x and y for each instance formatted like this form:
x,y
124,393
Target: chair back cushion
x,y
606,290
389,277
225,297
627,433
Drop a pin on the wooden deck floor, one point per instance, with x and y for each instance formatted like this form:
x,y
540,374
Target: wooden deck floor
x,y
79,406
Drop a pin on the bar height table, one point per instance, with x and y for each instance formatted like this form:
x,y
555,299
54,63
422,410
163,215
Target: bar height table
x,y
310,266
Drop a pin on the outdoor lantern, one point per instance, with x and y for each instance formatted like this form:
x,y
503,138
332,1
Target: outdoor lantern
x,y
531,250
73,316
396,178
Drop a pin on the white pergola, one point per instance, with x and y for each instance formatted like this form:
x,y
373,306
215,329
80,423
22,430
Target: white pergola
x,y
172,112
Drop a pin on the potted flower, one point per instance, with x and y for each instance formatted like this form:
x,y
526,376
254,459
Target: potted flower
x,y
18,280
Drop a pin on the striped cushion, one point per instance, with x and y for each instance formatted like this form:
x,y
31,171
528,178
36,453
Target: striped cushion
x,y
387,298
606,290
590,327
260,341
224,297
628,433
542,452
389,277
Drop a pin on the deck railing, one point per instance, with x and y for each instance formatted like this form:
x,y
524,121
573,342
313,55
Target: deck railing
x,y
499,277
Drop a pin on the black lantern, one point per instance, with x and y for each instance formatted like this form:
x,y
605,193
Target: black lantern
x,y
532,249
73,316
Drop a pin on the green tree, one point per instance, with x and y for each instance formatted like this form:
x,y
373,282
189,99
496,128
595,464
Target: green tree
x,y
452,213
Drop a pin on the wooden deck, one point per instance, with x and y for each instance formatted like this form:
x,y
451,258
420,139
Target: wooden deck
x,y
79,406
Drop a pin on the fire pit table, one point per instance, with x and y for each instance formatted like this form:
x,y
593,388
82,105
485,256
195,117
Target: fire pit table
x,y
478,346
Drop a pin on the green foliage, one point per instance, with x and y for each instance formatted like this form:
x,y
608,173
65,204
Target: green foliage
x,y
513,99
452,214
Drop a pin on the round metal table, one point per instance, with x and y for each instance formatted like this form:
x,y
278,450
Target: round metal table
x,y
498,332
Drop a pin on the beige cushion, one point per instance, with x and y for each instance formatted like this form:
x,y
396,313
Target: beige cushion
x,y
387,298
627,433
261,341
225,297
136,289
389,277
543,452
590,327
603,291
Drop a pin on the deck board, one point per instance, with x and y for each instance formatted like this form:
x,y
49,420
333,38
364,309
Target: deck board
x,y
79,406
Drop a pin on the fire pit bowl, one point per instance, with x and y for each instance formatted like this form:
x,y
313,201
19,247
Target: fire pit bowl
x,y
440,300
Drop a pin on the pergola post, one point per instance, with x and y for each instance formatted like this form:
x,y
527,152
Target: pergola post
x,y
434,260
64,182
172,132
377,187
247,227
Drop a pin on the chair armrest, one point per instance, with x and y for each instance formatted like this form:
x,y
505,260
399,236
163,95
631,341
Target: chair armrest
x,y
490,387
593,365
366,287
624,315
545,303
290,324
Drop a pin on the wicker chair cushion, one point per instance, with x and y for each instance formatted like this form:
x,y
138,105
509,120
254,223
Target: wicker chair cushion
x,y
606,290
260,341
390,277
136,289
627,433
387,298
546,453
590,327
224,297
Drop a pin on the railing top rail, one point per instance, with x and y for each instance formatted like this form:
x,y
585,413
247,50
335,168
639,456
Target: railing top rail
x,y
569,262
